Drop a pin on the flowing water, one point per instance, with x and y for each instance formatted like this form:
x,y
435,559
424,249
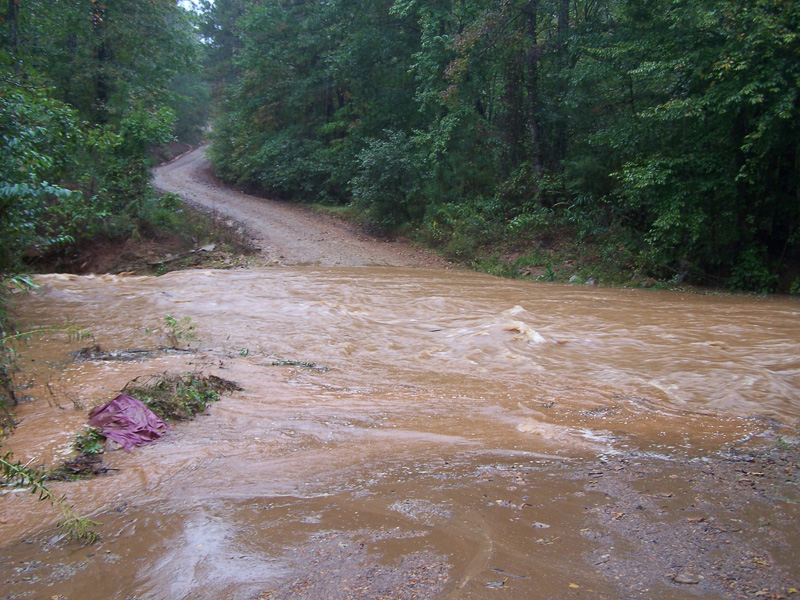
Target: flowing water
x,y
400,434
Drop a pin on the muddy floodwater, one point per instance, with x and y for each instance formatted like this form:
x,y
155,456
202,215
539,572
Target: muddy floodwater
x,y
407,433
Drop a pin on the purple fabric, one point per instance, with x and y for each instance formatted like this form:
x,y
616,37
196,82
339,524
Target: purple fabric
x,y
128,422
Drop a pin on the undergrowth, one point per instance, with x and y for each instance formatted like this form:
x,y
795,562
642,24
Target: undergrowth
x,y
165,235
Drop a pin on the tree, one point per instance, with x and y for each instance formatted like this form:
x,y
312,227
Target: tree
x,y
39,136
706,158
668,126
83,99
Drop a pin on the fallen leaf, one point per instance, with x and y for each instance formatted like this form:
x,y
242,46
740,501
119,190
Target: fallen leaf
x,y
574,586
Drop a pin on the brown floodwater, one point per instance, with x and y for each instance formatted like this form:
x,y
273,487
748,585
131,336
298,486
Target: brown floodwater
x,y
407,433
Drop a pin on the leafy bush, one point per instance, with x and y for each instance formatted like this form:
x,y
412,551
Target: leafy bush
x,y
179,330
122,156
39,136
530,221
164,211
387,186
751,272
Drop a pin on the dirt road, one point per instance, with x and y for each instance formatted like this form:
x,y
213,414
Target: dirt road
x,y
287,233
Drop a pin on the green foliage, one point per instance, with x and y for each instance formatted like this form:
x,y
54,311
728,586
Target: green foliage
x,y
706,82
43,144
165,211
189,98
314,84
77,528
669,126
179,330
83,98
90,442
16,474
493,266
529,222
461,229
179,397
38,134
388,183
751,272
105,57
121,162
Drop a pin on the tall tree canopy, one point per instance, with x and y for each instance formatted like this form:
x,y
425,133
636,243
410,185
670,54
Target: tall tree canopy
x,y
671,124
86,87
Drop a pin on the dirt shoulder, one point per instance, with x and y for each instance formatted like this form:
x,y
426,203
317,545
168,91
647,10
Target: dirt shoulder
x,y
286,233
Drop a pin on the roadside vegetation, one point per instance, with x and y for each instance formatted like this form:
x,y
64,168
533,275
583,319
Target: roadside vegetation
x,y
641,142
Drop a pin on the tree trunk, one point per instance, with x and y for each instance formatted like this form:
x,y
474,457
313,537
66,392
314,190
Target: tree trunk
x,y
561,133
12,18
515,118
101,85
563,23
532,85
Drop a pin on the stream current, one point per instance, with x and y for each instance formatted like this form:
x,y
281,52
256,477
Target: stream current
x,y
401,433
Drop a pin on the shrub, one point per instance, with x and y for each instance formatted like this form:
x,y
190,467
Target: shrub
x,y
751,272
387,186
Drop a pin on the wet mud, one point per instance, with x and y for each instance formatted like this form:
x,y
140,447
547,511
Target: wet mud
x,y
419,434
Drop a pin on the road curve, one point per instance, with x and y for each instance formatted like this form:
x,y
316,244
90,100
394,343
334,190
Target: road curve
x,y
287,233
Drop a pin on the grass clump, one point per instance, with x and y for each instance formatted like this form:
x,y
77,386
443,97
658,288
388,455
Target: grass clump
x,y
88,462
179,397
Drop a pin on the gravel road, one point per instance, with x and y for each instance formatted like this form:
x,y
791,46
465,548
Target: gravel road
x,y
287,233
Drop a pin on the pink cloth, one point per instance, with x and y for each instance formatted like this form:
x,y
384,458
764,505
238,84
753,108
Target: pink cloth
x,y
128,422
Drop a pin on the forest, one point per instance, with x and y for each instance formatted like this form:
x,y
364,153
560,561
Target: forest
x,y
658,139
87,89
